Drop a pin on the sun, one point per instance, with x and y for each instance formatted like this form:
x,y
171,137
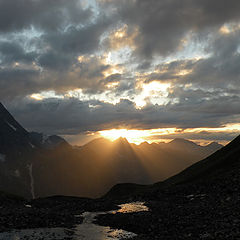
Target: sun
x,y
133,136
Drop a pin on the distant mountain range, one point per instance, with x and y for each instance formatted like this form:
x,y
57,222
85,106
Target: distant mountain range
x,y
35,165
219,169
218,165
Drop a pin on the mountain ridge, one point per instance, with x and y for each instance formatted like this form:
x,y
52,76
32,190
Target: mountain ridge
x,y
51,166
216,164
206,166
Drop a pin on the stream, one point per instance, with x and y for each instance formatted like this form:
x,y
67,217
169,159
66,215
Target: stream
x,y
87,230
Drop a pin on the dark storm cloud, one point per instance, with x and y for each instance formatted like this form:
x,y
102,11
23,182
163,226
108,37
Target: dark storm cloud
x,y
125,85
217,103
163,25
14,82
63,47
53,60
46,57
222,69
11,52
78,40
43,14
68,30
170,72
87,74
71,116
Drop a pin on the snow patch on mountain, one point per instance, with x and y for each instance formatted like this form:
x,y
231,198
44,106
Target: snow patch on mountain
x,y
30,168
32,146
44,138
11,126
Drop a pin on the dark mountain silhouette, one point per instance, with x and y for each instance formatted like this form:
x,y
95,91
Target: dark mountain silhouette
x,y
18,148
35,165
217,164
15,150
214,146
12,135
44,141
180,142
220,167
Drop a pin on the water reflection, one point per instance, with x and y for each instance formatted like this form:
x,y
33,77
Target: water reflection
x,y
86,230
133,207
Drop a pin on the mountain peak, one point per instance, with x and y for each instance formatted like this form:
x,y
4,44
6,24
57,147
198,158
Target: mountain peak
x,y
121,140
45,141
218,163
181,141
214,144
144,143
96,143
14,138
3,109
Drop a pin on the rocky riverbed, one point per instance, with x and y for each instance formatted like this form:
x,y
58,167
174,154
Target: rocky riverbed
x,y
47,213
197,211
206,210
60,218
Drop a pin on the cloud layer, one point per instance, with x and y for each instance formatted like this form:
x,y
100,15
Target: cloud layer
x,y
100,57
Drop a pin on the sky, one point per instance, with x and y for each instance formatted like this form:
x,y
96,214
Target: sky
x,y
147,70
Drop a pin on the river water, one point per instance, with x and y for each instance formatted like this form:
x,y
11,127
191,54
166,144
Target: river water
x,y
87,230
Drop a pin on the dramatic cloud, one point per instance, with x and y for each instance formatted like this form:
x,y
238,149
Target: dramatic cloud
x,y
71,67
163,25
71,116
43,14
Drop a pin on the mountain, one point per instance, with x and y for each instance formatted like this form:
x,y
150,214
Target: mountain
x,y
184,145
36,165
219,168
168,159
90,171
201,202
44,141
216,165
18,148
181,143
15,150
12,135
214,146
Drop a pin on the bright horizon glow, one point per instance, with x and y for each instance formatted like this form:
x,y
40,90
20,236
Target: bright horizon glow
x,y
133,135
163,134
